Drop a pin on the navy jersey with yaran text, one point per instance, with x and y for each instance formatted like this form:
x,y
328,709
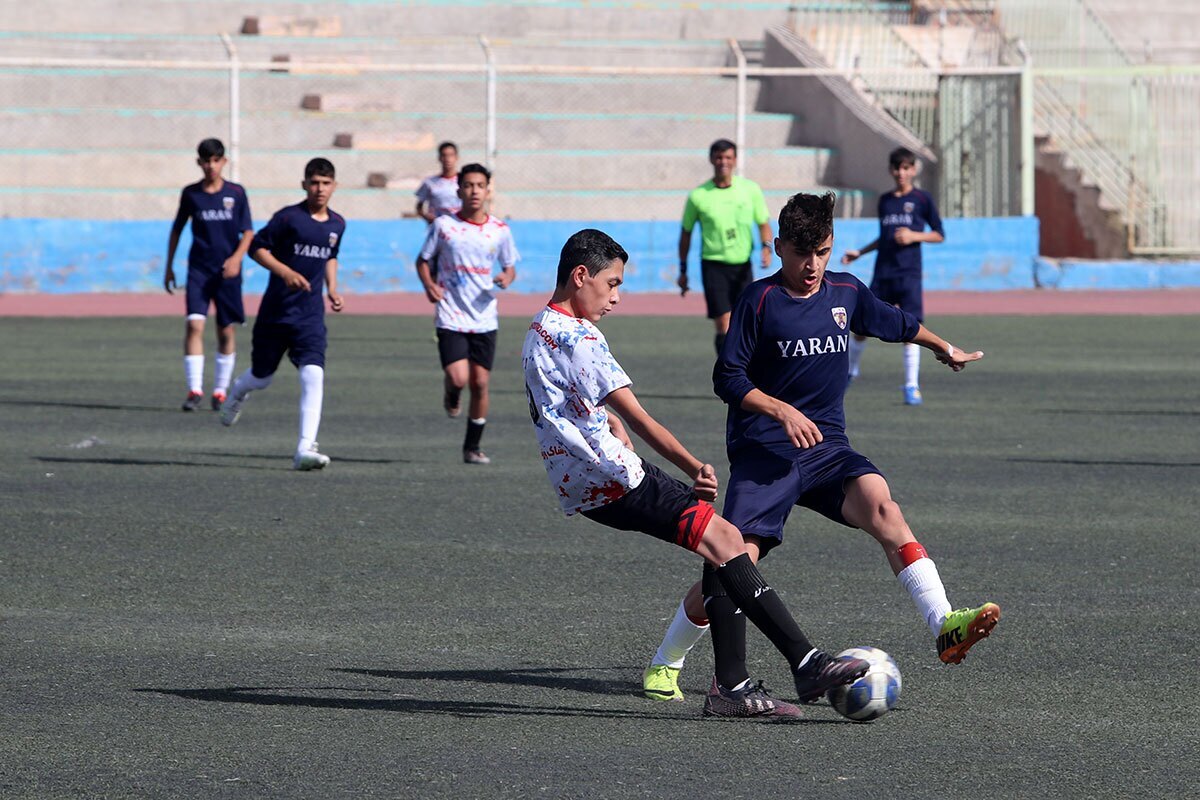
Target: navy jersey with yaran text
x,y
305,245
218,222
914,210
796,350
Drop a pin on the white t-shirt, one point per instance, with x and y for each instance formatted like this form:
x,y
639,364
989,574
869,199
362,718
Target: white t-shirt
x,y
465,256
440,194
568,373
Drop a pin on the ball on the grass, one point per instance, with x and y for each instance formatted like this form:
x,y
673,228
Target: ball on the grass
x,y
872,695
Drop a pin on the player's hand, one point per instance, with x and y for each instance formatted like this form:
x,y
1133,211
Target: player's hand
x,y
768,257
294,280
683,284
705,484
335,301
231,268
801,430
434,293
850,256
169,281
505,278
956,359
905,236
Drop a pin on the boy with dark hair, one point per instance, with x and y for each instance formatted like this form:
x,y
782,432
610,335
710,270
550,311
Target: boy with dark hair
x,y
903,214
438,194
783,374
464,249
726,207
571,379
299,246
221,234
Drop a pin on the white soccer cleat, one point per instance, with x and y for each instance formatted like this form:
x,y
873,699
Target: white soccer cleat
x,y
305,460
231,409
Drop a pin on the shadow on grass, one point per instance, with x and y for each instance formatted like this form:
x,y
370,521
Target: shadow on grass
x,y
1123,412
325,697
558,678
90,406
336,458
155,462
1086,462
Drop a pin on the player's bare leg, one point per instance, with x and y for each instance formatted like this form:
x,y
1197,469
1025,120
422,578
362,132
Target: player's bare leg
x,y
454,382
869,506
721,324
479,380
857,345
226,358
193,361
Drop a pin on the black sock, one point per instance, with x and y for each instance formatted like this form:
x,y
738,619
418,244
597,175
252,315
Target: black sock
x,y
719,341
728,629
474,435
759,602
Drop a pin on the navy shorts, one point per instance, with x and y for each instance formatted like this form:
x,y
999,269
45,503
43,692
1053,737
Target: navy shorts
x,y
763,489
723,285
226,295
904,292
478,348
661,506
304,344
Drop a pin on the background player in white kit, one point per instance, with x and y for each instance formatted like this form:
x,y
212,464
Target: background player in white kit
x,y
463,250
438,194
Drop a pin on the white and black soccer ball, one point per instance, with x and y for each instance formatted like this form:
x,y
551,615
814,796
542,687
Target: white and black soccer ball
x,y
872,695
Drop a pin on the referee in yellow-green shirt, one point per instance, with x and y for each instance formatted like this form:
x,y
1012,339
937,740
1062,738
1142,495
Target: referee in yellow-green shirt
x,y
726,207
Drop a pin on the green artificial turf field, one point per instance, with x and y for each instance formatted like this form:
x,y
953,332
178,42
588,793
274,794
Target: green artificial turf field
x,y
183,616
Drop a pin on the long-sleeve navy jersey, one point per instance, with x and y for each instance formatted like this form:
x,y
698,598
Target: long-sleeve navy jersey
x,y
796,350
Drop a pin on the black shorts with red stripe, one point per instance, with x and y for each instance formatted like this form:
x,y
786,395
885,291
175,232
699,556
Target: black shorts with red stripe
x,y
661,506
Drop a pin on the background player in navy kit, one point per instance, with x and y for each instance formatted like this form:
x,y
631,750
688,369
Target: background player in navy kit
x,y
464,249
221,233
299,246
438,194
783,374
572,378
903,214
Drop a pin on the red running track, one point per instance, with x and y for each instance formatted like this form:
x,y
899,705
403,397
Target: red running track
x,y
1039,302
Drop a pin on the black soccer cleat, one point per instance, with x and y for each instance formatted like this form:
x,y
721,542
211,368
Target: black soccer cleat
x,y
823,672
193,401
751,701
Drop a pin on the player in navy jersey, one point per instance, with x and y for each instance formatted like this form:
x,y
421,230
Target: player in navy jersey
x,y
457,266
782,372
221,232
299,246
903,215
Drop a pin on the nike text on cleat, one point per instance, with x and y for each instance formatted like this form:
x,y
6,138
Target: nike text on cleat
x,y
452,403
231,409
660,682
475,457
750,701
963,628
193,401
912,396
823,672
305,460
218,398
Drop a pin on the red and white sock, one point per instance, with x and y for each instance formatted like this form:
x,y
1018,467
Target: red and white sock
x,y
681,636
224,373
920,577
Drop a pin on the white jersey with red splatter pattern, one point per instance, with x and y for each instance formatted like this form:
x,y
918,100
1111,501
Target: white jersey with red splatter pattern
x,y
466,256
569,370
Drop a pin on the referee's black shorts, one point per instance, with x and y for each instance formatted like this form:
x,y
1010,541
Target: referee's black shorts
x,y
661,506
723,285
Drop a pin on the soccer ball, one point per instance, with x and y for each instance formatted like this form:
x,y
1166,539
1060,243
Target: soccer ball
x,y
872,695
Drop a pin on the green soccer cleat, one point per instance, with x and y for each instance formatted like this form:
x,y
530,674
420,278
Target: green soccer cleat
x,y
963,628
661,682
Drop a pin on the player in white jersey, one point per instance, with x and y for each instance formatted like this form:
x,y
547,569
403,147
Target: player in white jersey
x,y
463,251
438,194
572,380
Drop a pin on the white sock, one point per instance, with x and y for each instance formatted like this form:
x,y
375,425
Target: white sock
x,y
682,635
246,383
193,369
312,395
924,585
856,351
912,364
224,372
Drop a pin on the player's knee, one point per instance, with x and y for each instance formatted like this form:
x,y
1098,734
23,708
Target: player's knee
x,y
722,541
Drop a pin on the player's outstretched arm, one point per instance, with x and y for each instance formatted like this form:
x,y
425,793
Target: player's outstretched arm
x,y
853,255
953,357
625,403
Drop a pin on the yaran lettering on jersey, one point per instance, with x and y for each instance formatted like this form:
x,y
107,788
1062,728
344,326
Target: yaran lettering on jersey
x,y
546,337
311,250
816,346
215,214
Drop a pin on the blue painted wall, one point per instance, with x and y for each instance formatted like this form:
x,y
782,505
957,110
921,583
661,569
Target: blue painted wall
x,y
65,256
